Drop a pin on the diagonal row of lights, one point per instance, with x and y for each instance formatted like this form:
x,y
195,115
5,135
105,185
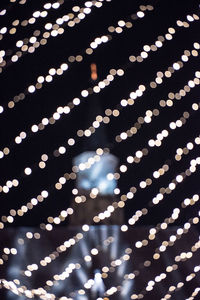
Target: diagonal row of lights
x,y
32,20
62,111
139,244
65,65
29,45
109,113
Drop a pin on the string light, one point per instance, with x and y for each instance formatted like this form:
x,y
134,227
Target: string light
x,y
48,78
173,289
133,130
33,267
194,220
138,244
197,162
32,20
84,93
31,44
183,256
44,194
122,169
193,295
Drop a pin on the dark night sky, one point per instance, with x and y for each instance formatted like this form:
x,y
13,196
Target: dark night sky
x,y
114,54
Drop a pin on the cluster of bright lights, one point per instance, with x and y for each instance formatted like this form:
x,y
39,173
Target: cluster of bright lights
x,y
158,142
143,184
6,253
24,208
178,179
62,248
32,20
172,185
184,151
52,71
65,274
9,184
23,290
184,256
79,199
149,114
121,25
52,256
107,213
118,262
151,237
138,155
164,225
32,43
106,119
172,289
159,197
193,295
139,244
49,227
85,93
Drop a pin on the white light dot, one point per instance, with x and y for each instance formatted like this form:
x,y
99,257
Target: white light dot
x,y
110,176
76,101
44,194
40,79
31,89
85,227
123,135
34,128
62,150
123,168
138,244
124,228
176,66
94,251
19,44
45,121
18,140
36,14
5,189
28,171
139,154
140,14
84,93
48,26
64,67
56,5
56,116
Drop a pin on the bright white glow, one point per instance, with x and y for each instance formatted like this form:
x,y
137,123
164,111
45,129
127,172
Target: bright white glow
x,y
28,171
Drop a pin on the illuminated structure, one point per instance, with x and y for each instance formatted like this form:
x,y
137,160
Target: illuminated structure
x,y
95,181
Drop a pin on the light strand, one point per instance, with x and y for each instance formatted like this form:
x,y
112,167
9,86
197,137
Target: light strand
x,y
56,30
84,93
59,71
172,289
32,20
108,113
